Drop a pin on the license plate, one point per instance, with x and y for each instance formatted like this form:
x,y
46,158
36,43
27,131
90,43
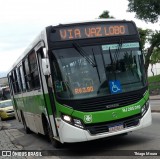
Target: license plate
x,y
115,127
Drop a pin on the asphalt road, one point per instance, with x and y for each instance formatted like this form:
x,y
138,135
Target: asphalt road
x,y
145,139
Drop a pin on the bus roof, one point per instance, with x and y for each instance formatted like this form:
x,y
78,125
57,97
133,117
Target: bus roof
x,y
91,21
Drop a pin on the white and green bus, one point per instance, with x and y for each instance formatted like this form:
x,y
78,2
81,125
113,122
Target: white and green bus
x,y
82,81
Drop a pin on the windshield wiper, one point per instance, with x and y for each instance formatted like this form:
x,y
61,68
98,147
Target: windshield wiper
x,y
112,63
118,50
111,58
96,66
84,54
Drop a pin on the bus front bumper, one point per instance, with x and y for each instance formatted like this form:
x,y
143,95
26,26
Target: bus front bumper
x,y
70,134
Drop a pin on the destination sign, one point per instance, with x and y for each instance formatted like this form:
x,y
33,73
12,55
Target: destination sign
x,y
96,30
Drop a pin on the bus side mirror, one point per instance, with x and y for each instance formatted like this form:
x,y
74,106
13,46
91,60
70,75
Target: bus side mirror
x,y
45,66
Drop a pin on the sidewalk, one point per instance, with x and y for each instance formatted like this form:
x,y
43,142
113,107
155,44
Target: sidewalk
x,y
155,103
155,97
6,141
7,137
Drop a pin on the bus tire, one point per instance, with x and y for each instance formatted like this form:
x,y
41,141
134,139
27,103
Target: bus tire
x,y
27,130
50,136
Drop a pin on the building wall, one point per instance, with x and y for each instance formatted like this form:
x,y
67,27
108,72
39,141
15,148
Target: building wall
x,y
156,69
3,81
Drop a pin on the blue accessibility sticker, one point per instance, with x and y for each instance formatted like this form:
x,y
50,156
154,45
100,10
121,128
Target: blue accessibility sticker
x,y
115,87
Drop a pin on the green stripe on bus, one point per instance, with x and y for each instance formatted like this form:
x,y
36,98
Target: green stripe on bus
x,y
107,115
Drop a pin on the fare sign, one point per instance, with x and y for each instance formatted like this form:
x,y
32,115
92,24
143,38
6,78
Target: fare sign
x,y
93,31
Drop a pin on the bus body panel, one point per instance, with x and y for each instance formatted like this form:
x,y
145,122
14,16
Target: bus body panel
x,y
106,115
71,134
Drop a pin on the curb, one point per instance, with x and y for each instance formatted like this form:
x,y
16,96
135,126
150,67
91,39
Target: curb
x,y
156,97
155,111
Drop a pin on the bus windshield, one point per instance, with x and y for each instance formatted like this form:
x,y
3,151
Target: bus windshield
x,y
98,70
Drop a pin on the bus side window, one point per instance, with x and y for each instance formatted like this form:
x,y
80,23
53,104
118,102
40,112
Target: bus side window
x,y
19,80
34,70
10,83
27,75
15,82
22,77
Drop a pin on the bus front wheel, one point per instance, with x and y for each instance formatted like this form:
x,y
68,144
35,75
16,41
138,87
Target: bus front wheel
x,y
50,136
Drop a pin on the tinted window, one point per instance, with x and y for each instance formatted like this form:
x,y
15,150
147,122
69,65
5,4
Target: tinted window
x,y
34,70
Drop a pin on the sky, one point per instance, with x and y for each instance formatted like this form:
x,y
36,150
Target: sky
x,y
22,20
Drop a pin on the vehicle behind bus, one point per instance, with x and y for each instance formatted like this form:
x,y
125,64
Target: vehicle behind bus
x,y
5,93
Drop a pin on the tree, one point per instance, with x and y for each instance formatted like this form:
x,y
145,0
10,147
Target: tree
x,y
155,58
144,35
105,14
152,39
148,10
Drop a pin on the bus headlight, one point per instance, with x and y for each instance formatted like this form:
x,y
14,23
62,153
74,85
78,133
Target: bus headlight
x,y
145,108
67,118
72,121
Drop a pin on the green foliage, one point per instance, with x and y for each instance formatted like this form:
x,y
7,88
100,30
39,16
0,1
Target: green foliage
x,y
154,79
155,38
154,82
144,36
105,14
155,57
151,38
148,10
153,87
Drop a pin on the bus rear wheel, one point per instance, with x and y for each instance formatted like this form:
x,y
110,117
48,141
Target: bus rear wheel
x,y
27,130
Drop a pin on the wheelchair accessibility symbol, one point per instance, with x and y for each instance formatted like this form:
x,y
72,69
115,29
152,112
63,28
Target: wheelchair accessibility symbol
x,y
115,87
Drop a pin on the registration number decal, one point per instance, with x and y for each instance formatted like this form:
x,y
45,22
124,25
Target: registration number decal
x,y
131,108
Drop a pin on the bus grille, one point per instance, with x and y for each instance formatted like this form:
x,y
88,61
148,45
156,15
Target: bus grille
x,y
108,103
104,127
105,102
